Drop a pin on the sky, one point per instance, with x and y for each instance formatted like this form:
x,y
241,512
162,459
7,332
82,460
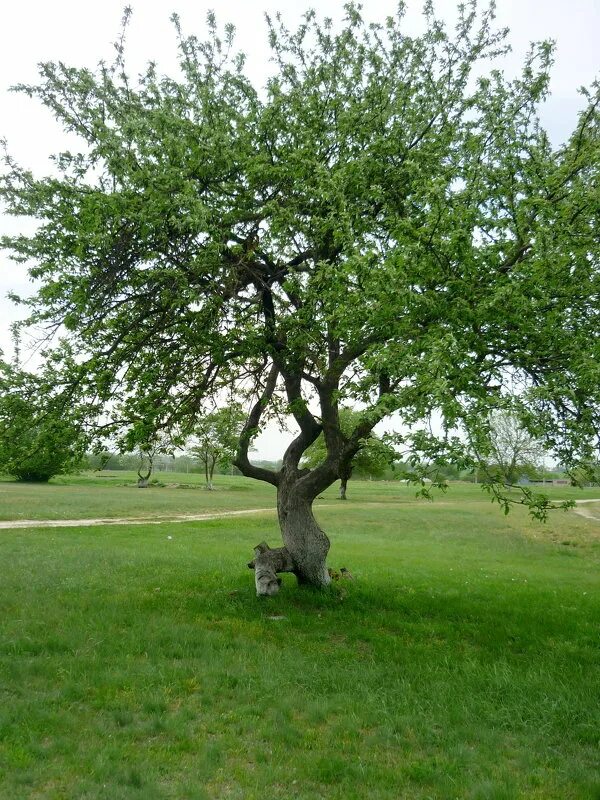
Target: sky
x,y
81,33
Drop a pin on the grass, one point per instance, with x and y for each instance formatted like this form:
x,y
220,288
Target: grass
x,y
462,661
115,495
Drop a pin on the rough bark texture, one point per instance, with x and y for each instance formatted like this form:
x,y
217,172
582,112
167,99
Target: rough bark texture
x,y
305,547
266,564
343,486
304,540
308,546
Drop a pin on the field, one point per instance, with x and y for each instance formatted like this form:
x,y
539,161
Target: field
x,y
136,662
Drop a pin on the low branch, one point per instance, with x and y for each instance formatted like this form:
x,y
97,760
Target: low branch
x,y
242,462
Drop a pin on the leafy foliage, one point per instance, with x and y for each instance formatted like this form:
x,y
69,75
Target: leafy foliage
x,y
378,225
146,454
512,449
216,438
372,460
40,436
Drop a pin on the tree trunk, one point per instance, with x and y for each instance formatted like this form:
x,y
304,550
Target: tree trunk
x,y
266,564
304,540
305,546
207,476
143,479
345,475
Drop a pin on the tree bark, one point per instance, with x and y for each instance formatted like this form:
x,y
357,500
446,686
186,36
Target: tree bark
x,y
304,540
305,545
266,564
345,475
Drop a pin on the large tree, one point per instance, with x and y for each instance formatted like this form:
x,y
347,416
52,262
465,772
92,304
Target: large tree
x,y
513,450
385,222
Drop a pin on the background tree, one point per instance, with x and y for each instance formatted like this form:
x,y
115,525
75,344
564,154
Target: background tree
x,y
142,430
372,460
513,451
378,225
217,435
146,455
41,433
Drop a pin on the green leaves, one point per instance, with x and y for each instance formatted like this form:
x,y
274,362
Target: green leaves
x,y
216,437
377,223
42,432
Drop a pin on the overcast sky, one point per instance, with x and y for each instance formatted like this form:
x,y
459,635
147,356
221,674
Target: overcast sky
x,y
80,33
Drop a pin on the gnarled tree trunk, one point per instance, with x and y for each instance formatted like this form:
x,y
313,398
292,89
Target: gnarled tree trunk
x,y
304,540
144,477
305,545
304,552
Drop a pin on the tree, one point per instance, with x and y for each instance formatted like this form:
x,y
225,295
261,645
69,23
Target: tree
x,y
379,225
372,460
40,436
512,449
216,439
143,431
146,453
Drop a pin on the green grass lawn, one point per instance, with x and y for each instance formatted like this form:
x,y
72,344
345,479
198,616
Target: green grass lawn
x,y
462,661
115,495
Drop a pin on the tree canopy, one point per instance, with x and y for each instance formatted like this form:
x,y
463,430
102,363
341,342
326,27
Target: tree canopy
x,y
386,223
216,438
40,434
513,451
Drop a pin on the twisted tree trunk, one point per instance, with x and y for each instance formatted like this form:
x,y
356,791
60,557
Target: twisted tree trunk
x,y
305,545
144,478
304,540
304,552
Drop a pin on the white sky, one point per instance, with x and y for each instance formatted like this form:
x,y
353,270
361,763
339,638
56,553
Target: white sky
x,y
80,33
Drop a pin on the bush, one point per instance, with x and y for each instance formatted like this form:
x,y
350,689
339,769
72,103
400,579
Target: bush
x,y
40,431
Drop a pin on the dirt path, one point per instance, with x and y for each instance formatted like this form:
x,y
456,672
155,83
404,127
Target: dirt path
x,y
72,523
161,519
583,512
156,519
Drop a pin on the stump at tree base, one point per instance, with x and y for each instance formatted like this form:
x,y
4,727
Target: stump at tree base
x,y
266,564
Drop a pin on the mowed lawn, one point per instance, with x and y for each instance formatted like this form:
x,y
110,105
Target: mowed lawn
x,y
462,661
106,495
115,494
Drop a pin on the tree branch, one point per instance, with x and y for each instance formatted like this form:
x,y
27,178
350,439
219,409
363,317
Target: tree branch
x,y
242,462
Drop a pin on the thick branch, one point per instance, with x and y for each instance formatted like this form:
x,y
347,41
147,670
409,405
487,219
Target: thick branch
x,y
309,427
242,462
